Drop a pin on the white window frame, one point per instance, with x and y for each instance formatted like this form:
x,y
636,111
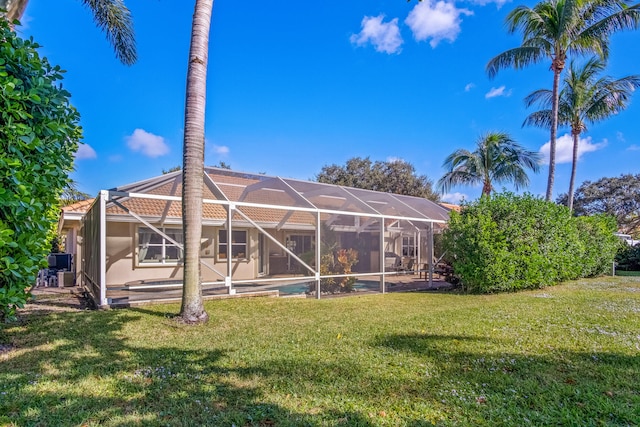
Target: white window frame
x,y
163,245
289,240
409,245
222,254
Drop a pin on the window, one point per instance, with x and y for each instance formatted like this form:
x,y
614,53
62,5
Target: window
x,y
154,248
408,246
300,243
238,244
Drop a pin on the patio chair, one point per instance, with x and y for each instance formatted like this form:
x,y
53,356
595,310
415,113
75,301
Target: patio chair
x,y
406,266
392,262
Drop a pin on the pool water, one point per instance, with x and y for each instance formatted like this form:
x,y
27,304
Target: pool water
x,y
301,288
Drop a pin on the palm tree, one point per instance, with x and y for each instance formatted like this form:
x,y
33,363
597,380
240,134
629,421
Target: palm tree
x,y
584,97
497,158
192,310
111,16
553,29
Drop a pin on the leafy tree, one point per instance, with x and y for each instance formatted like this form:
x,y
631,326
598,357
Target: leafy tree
x,y
39,134
496,159
192,309
222,165
553,29
173,169
585,97
617,196
111,16
396,176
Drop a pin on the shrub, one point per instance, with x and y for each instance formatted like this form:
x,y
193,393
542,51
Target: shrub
x,y
600,244
39,135
509,242
628,257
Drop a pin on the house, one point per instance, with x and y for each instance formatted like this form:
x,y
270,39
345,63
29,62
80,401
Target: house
x,y
259,232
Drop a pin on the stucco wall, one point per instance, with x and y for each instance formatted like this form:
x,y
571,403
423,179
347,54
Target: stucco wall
x,y
122,252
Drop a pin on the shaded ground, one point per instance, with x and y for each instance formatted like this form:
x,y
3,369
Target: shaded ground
x,y
56,300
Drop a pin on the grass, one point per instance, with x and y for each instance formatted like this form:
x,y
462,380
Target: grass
x,y
567,355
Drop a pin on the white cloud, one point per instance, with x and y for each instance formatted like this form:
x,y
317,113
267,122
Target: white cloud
x,y
564,148
392,159
435,21
221,150
85,151
499,3
499,91
454,198
634,147
385,37
469,86
149,144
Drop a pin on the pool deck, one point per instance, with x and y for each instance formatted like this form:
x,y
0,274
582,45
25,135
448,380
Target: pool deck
x,y
130,296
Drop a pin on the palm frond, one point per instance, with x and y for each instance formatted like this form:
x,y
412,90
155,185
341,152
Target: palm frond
x,y
542,97
540,119
518,58
114,18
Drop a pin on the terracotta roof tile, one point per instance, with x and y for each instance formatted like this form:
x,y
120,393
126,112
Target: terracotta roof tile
x,y
81,206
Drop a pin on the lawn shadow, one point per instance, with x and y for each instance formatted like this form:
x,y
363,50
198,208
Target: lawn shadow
x,y
81,371
559,387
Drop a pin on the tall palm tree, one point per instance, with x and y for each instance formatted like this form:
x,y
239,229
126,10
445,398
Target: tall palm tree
x,y
111,16
553,29
192,310
497,158
585,97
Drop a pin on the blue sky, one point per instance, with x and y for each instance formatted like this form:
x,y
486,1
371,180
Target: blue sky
x,y
294,86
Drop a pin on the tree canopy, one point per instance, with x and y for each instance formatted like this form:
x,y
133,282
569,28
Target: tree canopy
x,y
394,176
617,196
39,134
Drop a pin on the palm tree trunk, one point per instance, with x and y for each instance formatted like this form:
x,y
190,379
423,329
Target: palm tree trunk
x,y
14,8
574,166
486,188
554,130
192,310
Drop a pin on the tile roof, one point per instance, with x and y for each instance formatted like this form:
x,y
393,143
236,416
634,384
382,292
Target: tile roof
x,y
261,189
81,206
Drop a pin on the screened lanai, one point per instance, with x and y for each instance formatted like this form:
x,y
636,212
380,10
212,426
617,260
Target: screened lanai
x,y
261,235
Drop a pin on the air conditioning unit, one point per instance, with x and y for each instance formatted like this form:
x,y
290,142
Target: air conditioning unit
x,y
66,279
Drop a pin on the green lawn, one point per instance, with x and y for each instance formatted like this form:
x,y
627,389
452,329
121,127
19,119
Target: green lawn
x,y
562,356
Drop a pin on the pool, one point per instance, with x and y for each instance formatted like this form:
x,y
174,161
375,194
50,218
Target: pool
x,y
302,288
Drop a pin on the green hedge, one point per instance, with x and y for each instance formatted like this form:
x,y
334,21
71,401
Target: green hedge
x,y
509,242
628,257
39,135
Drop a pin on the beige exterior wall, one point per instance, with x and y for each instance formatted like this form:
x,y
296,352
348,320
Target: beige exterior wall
x,y
123,267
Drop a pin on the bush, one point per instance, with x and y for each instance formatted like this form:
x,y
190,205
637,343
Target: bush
x,y
600,244
39,135
509,242
628,257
